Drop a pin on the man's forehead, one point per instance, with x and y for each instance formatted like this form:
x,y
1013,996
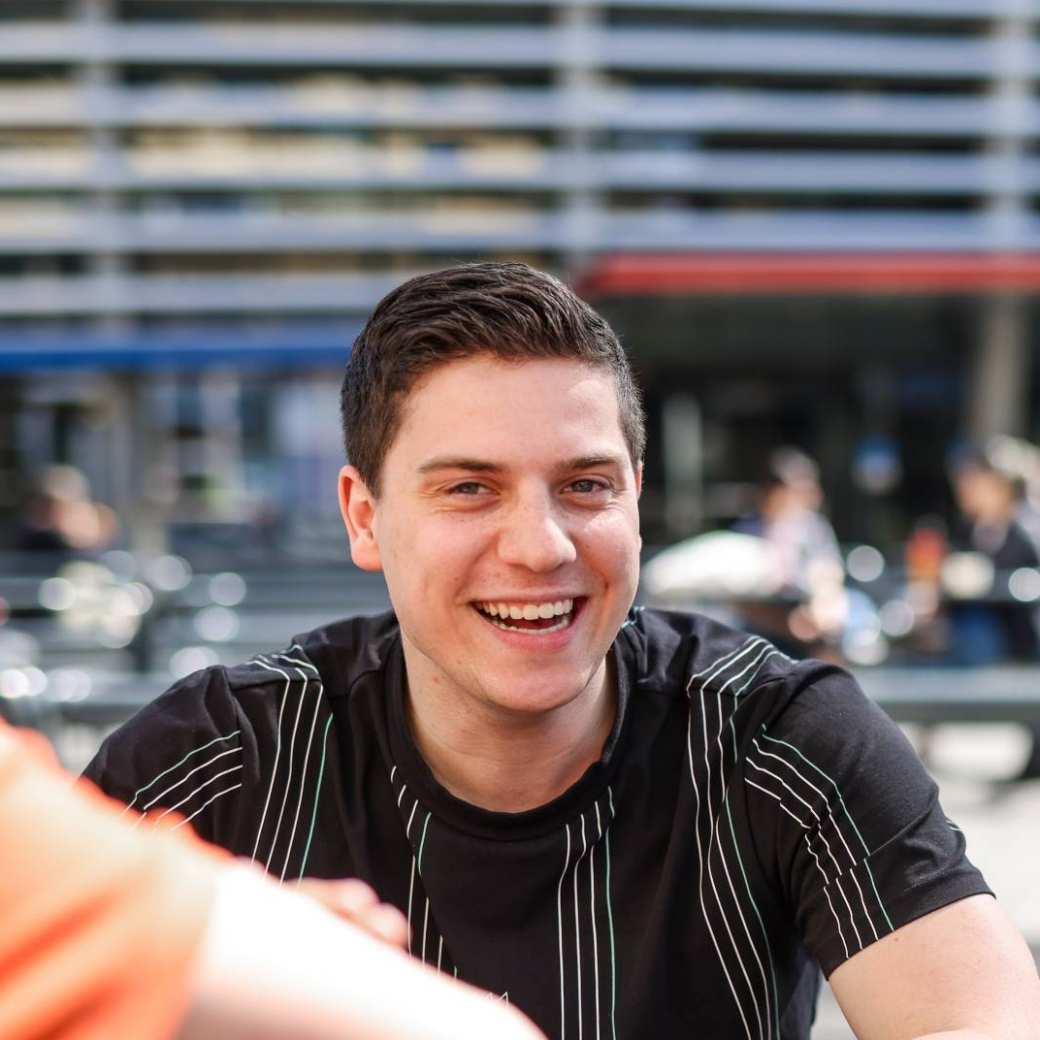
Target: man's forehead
x,y
560,370
484,388
488,414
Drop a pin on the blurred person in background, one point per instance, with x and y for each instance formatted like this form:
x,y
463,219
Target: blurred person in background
x,y
803,555
115,932
627,822
60,516
991,504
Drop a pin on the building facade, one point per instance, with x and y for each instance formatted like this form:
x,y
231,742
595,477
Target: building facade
x,y
200,201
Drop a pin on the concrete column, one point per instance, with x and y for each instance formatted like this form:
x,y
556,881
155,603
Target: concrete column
x,y
998,396
222,445
100,83
579,23
137,444
683,445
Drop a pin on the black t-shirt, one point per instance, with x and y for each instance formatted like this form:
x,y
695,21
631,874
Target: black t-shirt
x,y
751,817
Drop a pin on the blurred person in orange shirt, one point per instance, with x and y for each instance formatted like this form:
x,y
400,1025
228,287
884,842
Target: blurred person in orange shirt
x,y
112,932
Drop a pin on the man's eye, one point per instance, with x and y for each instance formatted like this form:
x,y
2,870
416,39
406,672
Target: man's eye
x,y
467,487
587,487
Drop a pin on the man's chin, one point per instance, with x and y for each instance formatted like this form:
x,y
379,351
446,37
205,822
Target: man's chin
x,y
536,698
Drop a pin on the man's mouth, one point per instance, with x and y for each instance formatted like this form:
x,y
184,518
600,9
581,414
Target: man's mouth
x,y
534,616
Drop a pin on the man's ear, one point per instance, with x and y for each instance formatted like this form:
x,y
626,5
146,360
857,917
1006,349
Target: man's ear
x,y
357,505
639,491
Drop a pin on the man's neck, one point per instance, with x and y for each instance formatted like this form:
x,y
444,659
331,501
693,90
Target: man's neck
x,y
508,761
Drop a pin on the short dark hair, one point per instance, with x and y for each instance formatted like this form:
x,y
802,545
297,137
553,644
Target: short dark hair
x,y
505,310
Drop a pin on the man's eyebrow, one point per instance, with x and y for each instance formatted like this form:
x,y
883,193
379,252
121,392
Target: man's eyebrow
x,y
474,465
459,462
592,462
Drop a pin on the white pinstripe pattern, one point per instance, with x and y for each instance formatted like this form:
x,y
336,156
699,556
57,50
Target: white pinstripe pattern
x,y
208,762
760,648
205,805
772,652
559,927
416,868
700,869
317,797
610,917
818,830
834,823
318,700
216,740
572,866
762,653
289,767
852,823
188,797
592,910
577,927
805,826
411,892
411,883
712,836
277,753
724,662
765,652
815,790
303,660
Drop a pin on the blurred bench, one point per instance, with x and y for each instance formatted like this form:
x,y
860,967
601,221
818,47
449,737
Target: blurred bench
x,y
920,695
1003,693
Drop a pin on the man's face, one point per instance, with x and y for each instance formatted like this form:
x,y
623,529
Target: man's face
x,y
507,528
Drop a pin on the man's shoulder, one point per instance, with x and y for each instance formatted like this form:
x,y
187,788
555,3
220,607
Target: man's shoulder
x,y
242,704
690,652
331,658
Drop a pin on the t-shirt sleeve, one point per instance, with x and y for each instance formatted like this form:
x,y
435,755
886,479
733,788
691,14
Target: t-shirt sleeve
x,y
854,833
102,922
185,755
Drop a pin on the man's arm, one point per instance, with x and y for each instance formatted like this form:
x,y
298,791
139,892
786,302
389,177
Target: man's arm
x,y
959,973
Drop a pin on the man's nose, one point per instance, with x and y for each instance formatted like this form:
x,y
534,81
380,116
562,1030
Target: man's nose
x,y
534,535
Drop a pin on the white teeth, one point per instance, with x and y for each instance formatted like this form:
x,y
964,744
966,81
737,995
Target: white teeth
x,y
528,612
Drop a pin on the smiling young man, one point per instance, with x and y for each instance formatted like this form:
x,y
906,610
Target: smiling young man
x,y
631,824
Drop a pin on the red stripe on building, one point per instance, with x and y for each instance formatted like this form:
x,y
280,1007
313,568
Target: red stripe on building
x,y
765,273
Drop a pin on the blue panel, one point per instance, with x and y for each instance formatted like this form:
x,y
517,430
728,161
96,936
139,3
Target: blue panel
x,y
196,346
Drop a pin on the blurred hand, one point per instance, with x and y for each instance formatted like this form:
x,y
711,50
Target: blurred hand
x,y
354,901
